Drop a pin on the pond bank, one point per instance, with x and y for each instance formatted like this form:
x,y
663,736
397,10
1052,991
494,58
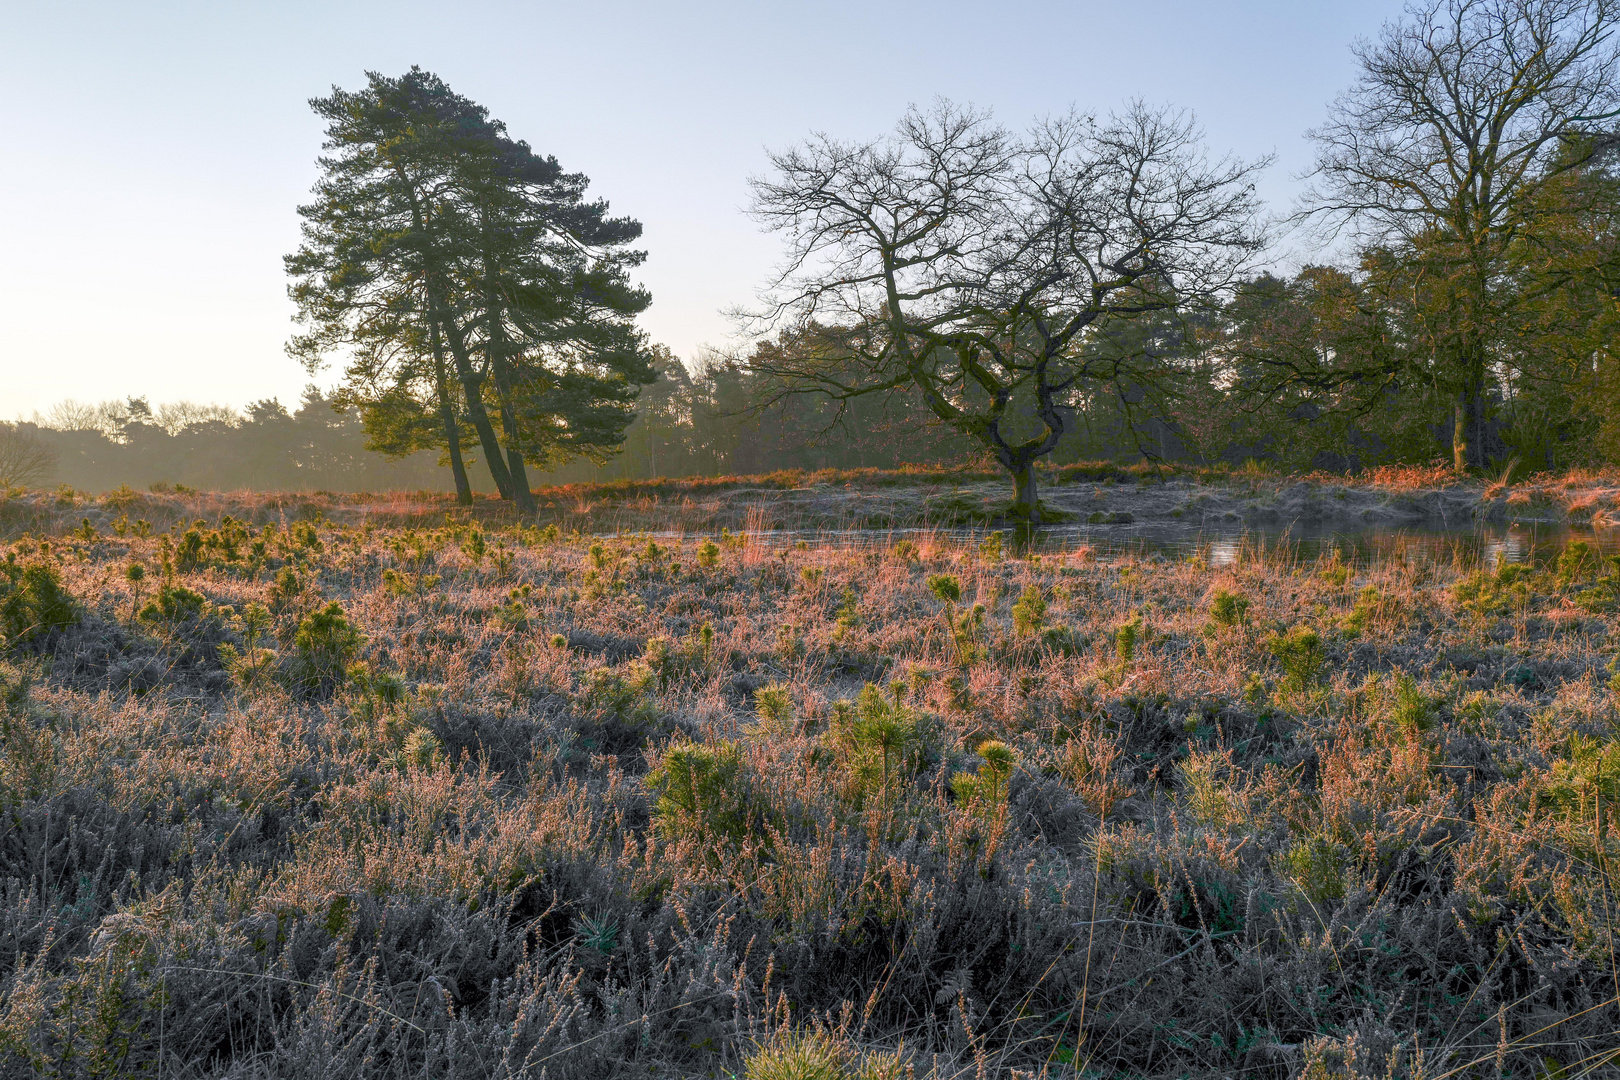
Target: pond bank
x,y
1426,499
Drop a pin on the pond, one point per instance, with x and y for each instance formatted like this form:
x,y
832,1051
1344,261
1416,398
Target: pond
x,y
1226,543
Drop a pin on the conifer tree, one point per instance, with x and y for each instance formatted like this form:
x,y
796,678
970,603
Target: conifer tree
x,y
469,281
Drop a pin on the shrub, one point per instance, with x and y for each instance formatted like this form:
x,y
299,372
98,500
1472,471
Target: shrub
x,y
513,615
849,614
1367,605
323,647
1299,651
947,588
698,794
1336,572
256,667
619,693
1500,593
33,602
1413,710
773,705
1229,608
474,547
286,588
1315,865
174,604
1125,639
984,792
189,553
879,741
303,535
1029,611
708,555
789,644
800,1055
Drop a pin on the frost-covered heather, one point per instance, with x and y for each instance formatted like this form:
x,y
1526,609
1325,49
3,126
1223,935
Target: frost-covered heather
x,y
310,800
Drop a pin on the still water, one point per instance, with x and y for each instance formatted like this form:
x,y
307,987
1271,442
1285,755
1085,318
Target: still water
x,y
1224,545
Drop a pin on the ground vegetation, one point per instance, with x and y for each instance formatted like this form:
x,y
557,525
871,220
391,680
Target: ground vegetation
x,y
314,795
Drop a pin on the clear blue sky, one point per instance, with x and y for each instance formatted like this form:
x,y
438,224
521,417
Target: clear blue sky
x,y
154,153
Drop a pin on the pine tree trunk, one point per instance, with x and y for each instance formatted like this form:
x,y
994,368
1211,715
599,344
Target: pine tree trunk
x,y
518,477
486,431
447,416
441,328
471,388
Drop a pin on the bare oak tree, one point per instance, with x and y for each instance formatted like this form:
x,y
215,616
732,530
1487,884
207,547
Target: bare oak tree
x,y
992,274
1443,151
24,459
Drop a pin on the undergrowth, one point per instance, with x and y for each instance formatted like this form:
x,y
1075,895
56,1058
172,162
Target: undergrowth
x,y
491,801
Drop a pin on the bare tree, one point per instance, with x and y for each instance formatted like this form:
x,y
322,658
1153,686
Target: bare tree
x,y
24,459
993,275
175,416
1443,150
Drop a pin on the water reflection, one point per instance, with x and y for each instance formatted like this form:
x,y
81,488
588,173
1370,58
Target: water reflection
x,y
1474,545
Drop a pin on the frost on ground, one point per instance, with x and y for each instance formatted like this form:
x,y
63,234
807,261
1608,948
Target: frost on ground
x,y
293,793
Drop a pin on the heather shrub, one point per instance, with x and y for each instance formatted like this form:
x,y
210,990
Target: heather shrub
x,y
759,822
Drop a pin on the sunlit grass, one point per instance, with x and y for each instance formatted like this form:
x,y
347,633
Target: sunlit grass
x,y
453,799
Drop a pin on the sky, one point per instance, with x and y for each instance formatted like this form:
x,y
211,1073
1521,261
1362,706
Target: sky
x,y
154,154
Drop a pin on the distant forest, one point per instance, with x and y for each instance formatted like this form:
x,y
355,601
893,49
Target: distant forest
x,y
686,424
698,421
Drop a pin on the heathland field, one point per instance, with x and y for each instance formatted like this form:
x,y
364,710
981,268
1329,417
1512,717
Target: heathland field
x,y
289,792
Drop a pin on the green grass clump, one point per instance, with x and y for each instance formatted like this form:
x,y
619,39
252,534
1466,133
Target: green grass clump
x,y
1499,592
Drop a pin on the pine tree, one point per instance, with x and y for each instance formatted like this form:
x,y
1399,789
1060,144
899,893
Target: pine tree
x,y
471,284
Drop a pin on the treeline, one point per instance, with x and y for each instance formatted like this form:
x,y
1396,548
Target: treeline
x,y
266,447
687,423
706,420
